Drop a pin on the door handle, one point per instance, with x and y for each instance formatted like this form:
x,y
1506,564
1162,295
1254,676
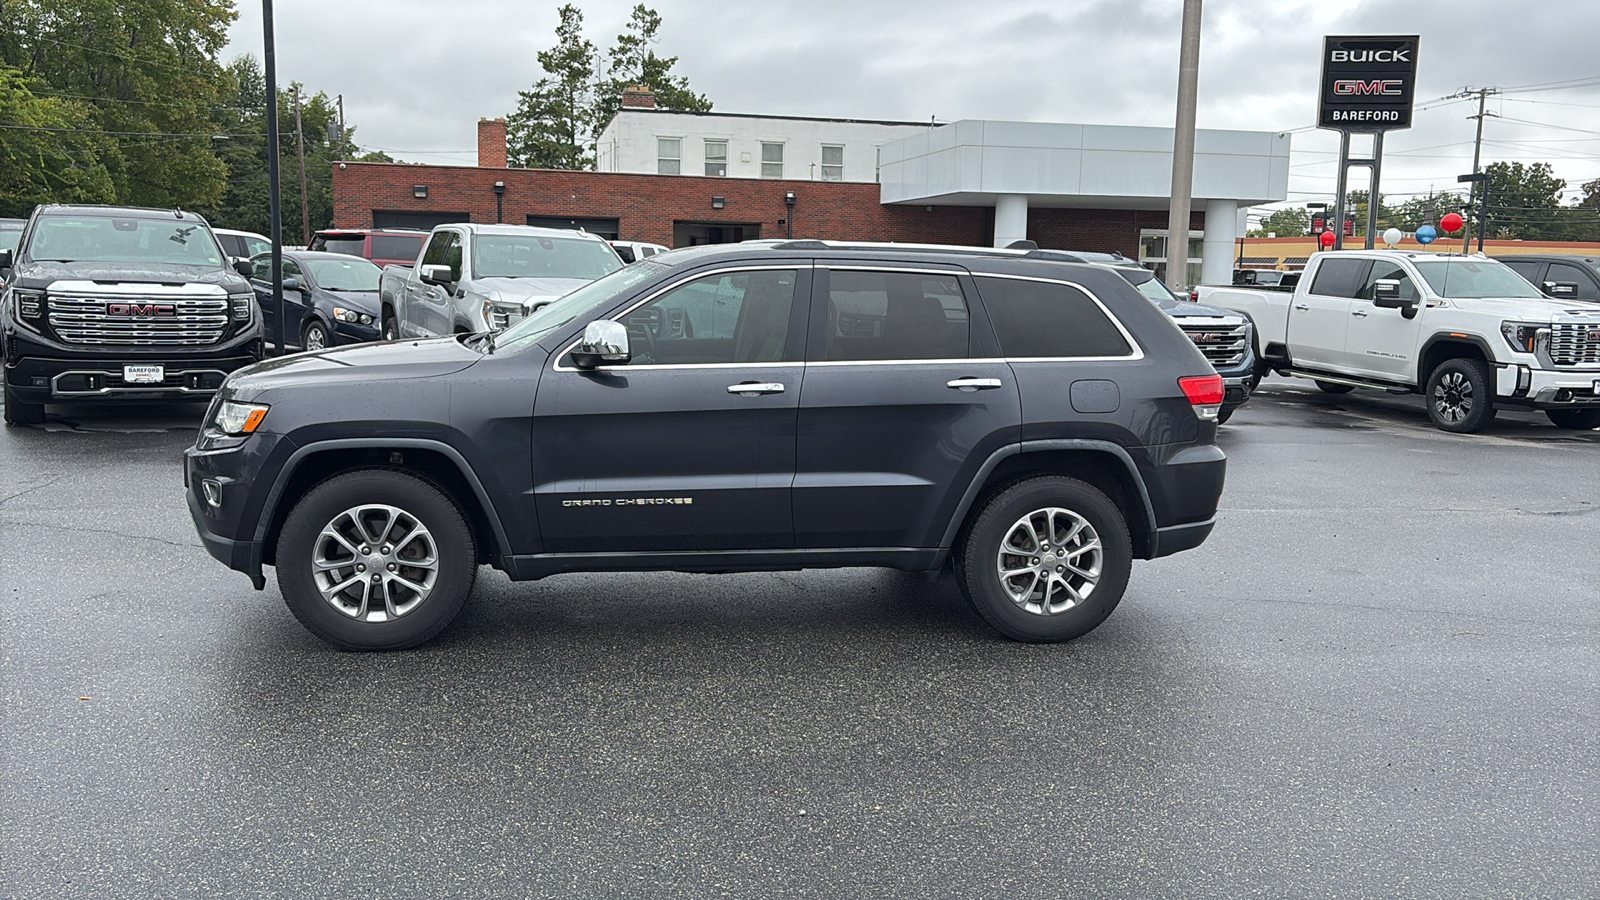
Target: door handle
x,y
753,388
973,384
1301,306
1360,312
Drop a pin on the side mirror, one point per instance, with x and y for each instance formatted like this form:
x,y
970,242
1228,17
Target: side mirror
x,y
603,343
1553,288
1386,294
293,284
5,259
435,274
242,266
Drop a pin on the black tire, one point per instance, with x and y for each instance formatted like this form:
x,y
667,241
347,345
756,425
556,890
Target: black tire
x,y
323,506
315,334
1460,396
1225,413
391,328
1576,419
978,560
19,413
1255,379
1329,387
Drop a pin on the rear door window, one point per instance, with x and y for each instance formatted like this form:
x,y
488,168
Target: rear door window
x,y
1586,286
1340,277
437,245
396,246
879,315
1035,319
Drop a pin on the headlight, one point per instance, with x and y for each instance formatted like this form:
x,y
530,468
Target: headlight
x,y
1525,337
352,316
243,306
240,418
30,304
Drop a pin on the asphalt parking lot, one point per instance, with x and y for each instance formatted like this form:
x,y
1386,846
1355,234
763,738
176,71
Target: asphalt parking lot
x,y
1378,678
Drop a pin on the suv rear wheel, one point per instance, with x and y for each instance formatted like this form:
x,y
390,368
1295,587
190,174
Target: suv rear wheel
x,y
1046,559
1460,395
375,560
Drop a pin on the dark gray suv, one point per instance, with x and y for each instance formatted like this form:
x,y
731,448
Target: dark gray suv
x,y
1033,424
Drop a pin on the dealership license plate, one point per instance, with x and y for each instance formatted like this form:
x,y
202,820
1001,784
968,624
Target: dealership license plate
x,y
144,374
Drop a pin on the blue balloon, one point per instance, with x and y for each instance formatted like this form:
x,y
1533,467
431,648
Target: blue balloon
x,y
1427,234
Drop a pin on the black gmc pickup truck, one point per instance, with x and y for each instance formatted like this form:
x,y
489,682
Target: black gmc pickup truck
x,y
1038,425
108,303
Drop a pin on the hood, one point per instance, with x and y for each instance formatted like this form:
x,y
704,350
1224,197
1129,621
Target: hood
x,y
521,290
40,274
1184,309
349,366
1533,309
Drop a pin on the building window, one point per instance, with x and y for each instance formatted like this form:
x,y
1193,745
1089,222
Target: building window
x,y
669,155
771,160
717,158
832,162
1153,254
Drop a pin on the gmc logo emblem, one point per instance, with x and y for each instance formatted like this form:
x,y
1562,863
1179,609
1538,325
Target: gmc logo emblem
x,y
1361,56
154,310
1384,88
1594,336
1206,338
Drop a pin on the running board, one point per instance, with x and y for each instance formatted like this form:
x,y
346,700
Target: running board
x,y
1352,382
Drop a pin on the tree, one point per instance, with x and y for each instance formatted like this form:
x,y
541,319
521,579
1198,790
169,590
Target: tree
x,y
553,125
633,62
46,160
1525,201
1292,222
1425,210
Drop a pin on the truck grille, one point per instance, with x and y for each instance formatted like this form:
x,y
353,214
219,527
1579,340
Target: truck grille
x,y
150,319
1222,344
1571,344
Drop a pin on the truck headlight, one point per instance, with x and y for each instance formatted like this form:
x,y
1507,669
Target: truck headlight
x,y
239,418
1525,337
30,304
352,316
242,305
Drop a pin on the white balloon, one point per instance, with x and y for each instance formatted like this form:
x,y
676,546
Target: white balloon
x,y
1392,236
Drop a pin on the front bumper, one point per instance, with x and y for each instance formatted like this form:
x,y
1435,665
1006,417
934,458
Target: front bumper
x,y
46,372
351,333
1548,388
230,521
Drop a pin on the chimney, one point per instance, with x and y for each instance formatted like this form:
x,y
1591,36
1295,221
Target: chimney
x,y
492,143
638,97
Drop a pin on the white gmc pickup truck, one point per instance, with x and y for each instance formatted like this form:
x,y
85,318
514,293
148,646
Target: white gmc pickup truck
x,y
1467,332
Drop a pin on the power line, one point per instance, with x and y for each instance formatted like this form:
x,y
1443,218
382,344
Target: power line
x,y
1548,125
46,93
148,62
175,134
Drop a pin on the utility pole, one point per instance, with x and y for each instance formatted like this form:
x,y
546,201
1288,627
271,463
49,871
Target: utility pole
x,y
274,202
1477,148
342,153
300,140
1183,148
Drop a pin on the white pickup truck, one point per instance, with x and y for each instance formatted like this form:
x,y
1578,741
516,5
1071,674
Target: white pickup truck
x,y
472,278
1467,332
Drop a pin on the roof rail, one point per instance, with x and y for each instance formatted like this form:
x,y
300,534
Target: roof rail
x,y
804,244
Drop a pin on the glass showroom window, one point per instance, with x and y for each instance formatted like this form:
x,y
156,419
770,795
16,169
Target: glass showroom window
x,y
832,162
717,158
771,160
669,156
1153,254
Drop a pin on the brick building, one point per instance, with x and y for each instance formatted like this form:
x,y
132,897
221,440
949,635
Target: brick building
x,y
970,182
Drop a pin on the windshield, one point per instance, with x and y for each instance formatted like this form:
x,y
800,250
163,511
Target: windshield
x,y
1474,279
546,319
353,274
1146,282
108,239
530,256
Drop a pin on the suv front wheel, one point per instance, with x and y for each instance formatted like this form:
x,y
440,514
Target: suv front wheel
x,y
375,560
1046,559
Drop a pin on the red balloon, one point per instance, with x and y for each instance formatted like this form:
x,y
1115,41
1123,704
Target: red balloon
x,y
1327,239
1451,223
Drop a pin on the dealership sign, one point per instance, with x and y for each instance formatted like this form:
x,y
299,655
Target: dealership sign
x,y
1368,83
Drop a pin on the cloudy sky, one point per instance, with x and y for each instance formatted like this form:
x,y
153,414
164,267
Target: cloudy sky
x,y
417,75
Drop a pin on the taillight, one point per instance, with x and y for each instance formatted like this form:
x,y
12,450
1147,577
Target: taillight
x,y
1194,296
1205,393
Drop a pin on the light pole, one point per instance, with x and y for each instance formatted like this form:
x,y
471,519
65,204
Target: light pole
x,y
274,207
1183,145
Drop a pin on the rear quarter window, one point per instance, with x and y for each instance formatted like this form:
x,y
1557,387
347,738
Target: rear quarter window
x,y
1049,319
396,246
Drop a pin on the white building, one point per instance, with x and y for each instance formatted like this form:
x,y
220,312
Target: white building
x,y
643,140
1015,166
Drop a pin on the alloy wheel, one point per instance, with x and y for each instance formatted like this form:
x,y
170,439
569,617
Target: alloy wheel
x,y
315,340
375,563
1050,561
1452,397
